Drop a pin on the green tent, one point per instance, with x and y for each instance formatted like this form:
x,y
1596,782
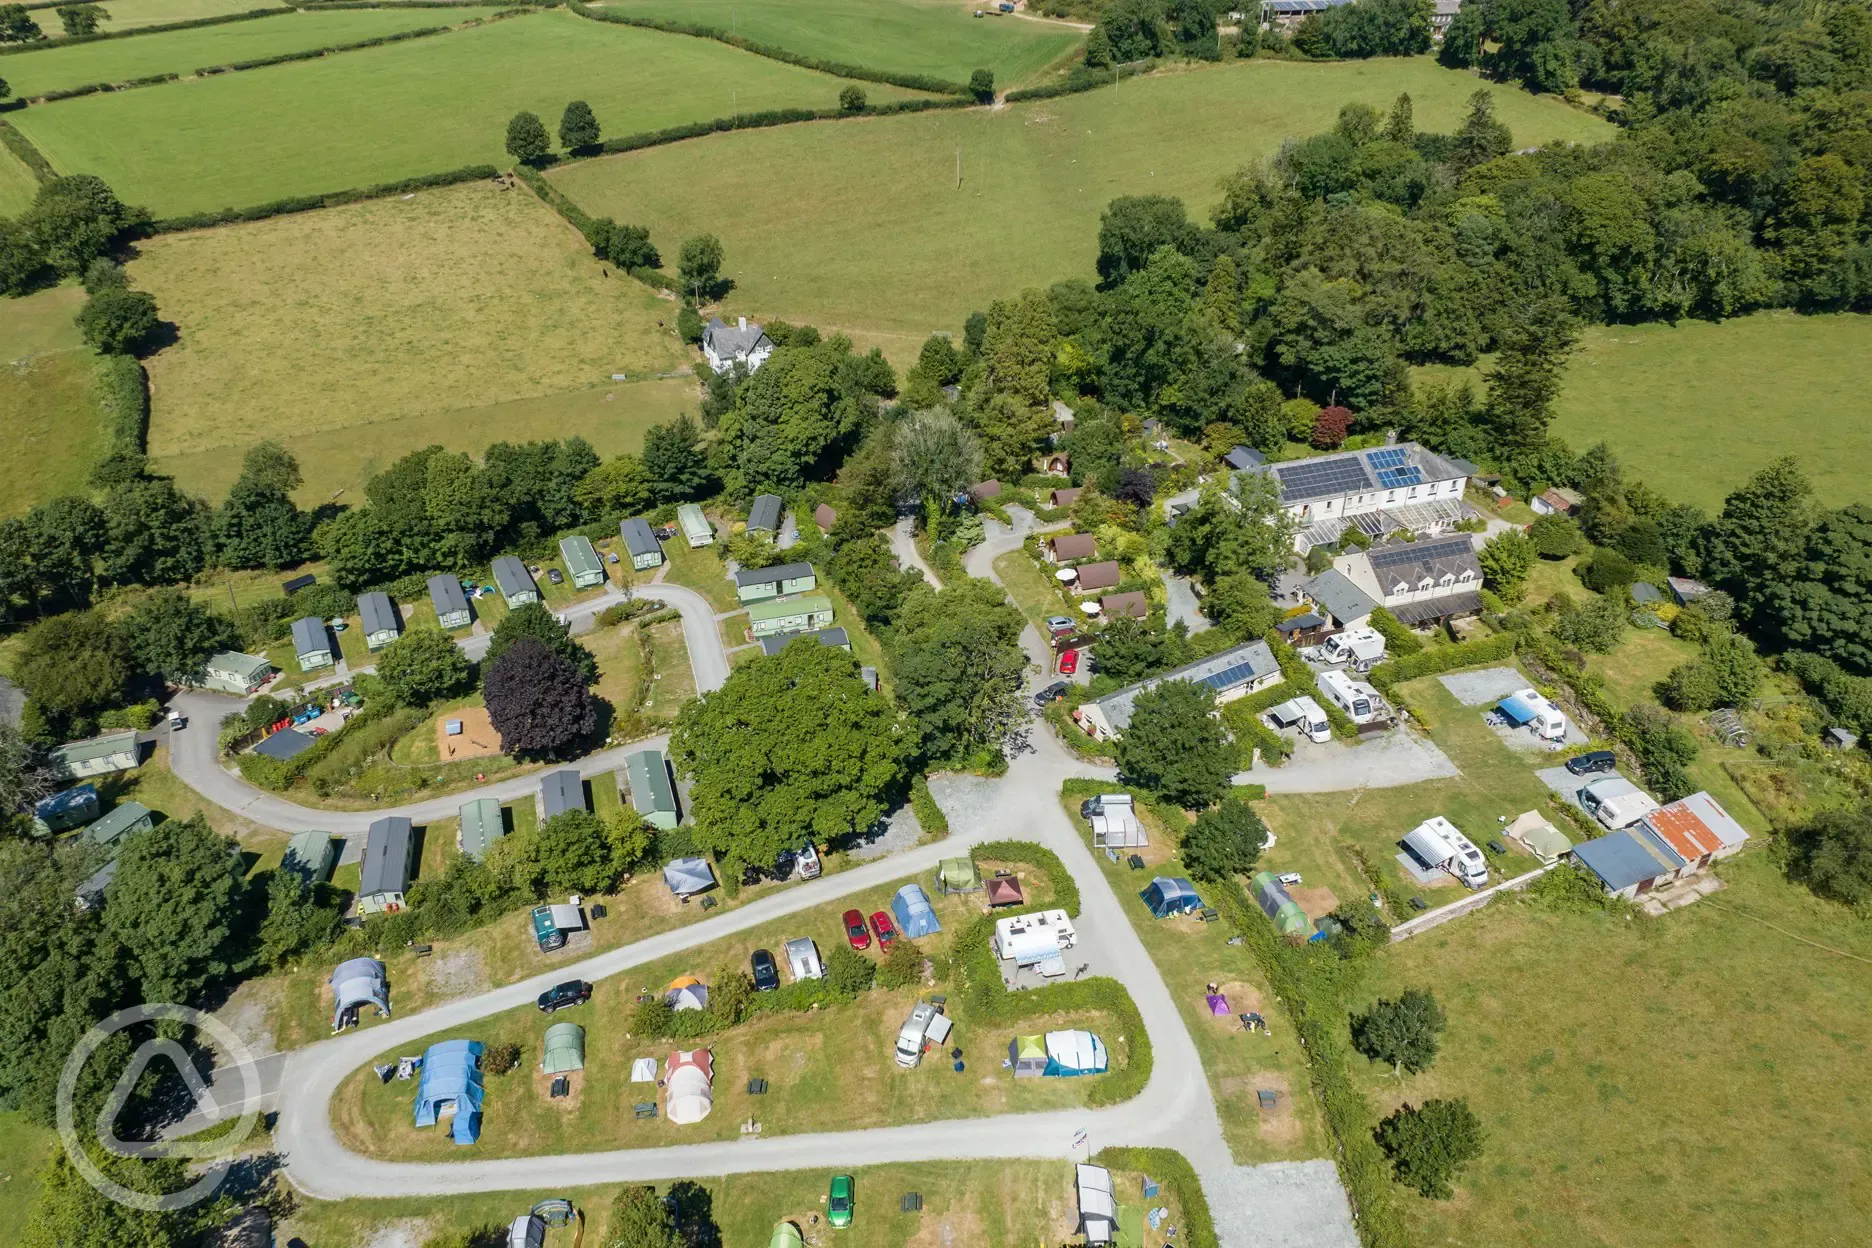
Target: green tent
x,y
957,875
565,1048
786,1235
1288,918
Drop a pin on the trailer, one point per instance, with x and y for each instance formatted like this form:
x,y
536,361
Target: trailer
x,y
1357,699
1438,845
1361,649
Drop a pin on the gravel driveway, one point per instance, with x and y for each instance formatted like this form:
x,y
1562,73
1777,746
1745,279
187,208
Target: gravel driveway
x,y
1491,684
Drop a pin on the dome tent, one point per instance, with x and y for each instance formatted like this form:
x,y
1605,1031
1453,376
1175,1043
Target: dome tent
x,y
915,916
355,984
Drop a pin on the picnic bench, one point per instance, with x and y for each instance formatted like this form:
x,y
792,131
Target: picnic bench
x,y
911,1202
709,903
1417,903
1268,1098
645,1109
1136,862
757,1087
1208,914
1496,847
561,1086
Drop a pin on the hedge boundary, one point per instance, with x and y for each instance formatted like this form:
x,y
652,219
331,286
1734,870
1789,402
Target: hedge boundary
x,y
30,156
313,54
95,88
122,391
71,41
1179,1177
910,82
1080,79
929,815
330,199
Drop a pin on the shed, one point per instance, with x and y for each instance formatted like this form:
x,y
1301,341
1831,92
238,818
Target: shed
x,y
915,916
1629,862
1133,604
293,584
287,743
789,615
1098,1208
1170,895
641,541
685,876
1075,1053
233,672
378,615
125,820
1242,458
1027,1055
62,812
90,894
831,638
652,795
514,582
95,756
1686,590
757,584
764,515
1093,576
825,516
1644,593
356,984
1065,498
695,526
311,643
1542,839
958,875
384,871
450,603
311,856
582,562
1275,902
450,1087
481,826
561,791
565,1049
1004,890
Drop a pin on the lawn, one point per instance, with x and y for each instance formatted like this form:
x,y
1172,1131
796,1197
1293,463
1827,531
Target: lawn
x,y
410,108
58,68
461,316
154,785
18,184
1032,590
938,37
701,569
46,392
881,242
24,1148
1676,1081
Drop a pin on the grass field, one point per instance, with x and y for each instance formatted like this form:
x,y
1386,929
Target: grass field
x,y
881,242
18,185
130,14
464,316
1679,1081
184,51
402,110
51,418
939,37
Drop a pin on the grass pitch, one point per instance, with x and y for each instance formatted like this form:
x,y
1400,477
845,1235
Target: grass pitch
x,y
464,315
939,37
133,14
58,68
393,112
879,240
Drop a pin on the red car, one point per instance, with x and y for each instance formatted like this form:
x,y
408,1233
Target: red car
x,y
885,929
1068,662
855,930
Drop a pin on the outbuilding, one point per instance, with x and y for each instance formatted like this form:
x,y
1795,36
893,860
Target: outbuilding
x,y
695,526
825,516
760,584
1093,576
640,540
450,603
561,791
125,820
801,614
831,638
481,825
652,795
242,675
582,563
95,756
380,620
311,856
764,516
514,582
688,876
311,643
287,743
384,871
1133,604
1629,862
450,1087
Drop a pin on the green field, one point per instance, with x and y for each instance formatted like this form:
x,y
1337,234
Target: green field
x,y
1688,1080
465,315
51,418
185,51
18,184
938,37
403,110
879,240
131,14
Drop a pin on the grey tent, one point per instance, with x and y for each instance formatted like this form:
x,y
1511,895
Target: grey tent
x,y
565,1049
688,875
355,984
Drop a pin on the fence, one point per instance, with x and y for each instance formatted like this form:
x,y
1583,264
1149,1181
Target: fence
x,y
1456,909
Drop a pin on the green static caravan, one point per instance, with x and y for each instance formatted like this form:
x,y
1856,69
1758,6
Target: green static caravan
x,y
233,672
129,818
514,582
652,795
481,826
760,584
312,643
379,618
582,561
695,525
96,756
451,604
804,614
311,856
640,540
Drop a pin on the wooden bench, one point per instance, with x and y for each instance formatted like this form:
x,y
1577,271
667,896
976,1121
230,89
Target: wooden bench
x,y
645,1109
757,1087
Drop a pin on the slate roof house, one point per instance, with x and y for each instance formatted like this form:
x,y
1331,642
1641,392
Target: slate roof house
x,y
450,603
641,541
1341,601
1378,491
742,343
1231,674
1419,581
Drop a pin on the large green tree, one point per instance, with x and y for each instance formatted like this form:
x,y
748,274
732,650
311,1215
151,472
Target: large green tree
x,y
958,668
74,665
641,1219
935,460
1506,560
259,526
1827,607
1238,527
1526,378
527,141
1224,842
535,622
171,637
675,461
1175,746
424,665
1756,545
1403,1031
1429,1144
698,266
1832,854
175,907
578,127
119,322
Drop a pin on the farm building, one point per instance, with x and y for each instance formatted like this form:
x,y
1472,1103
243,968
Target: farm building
x,y
514,582
1557,502
764,516
450,1087
384,871
380,620
1231,674
834,638
744,343
1093,576
62,812
311,643
1133,604
95,756
641,541
1242,458
1698,830
561,791
1629,862
582,562
1070,547
1379,491
125,820
242,675
695,526
481,826
652,795
450,603
790,615
759,584
311,856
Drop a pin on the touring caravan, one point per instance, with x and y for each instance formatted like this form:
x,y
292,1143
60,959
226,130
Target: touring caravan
x,y
1304,714
1358,648
1438,845
1357,699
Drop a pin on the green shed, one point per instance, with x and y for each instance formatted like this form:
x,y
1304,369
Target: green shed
x,y
582,562
790,615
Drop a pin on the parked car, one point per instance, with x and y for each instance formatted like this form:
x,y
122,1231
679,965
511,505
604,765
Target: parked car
x,y
885,929
1597,760
177,721
545,931
855,933
766,971
1068,662
564,996
839,1201
782,869
1052,693
1059,624
555,576
665,532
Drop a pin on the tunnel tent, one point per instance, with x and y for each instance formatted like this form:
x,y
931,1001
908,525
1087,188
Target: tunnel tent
x,y
355,984
451,1087
1275,902
786,1235
915,916
1028,1056
1098,1206
688,1092
1169,895
565,1049
958,875
1075,1053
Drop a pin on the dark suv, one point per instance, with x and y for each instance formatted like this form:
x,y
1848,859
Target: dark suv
x,y
1587,764
563,996
766,973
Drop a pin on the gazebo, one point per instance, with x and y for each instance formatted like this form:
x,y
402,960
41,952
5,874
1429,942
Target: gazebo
x,y
1005,890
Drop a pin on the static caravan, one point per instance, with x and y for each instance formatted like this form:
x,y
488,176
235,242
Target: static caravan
x,y
582,562
790,615
1357,699
312,643
95,756
384,871
760,584
451,604
379,617
640,540
242,675
514,582
652,795
695,526
560,792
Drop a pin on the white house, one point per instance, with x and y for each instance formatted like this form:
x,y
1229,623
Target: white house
x,y
742,343
1381,490
1231,674
1418,582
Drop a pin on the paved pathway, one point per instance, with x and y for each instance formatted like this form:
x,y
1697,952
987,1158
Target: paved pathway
x,y
903,545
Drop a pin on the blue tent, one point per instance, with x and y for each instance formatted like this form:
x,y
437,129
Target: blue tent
x,y
915,916
451,1080
1167,896
1075,1053
1518,710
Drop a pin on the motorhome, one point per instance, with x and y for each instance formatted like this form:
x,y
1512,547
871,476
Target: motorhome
x,y
1304,714
1357,648
1114,821
1029,939
926,1026
1357,699
1438,845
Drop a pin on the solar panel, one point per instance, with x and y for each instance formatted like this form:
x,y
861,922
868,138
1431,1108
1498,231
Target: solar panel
x,y
1332,476
1390,458
1229,676
1392,478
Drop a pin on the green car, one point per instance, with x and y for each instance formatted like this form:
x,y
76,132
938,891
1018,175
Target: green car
x,y
546,932
839,1201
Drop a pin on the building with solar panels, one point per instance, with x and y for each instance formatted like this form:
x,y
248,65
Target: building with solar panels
x,y
1384,490
1419,582
1232,674
1287,14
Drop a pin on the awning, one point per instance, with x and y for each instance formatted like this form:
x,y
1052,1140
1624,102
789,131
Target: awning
x,y
1518,709
684,876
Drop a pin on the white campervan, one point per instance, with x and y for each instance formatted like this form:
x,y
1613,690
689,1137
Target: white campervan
x,y
1357,699
1438,845
1357,648
1304,714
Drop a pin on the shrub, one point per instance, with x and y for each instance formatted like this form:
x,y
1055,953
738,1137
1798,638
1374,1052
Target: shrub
x,y
1597,625
1555,537
1832,855
852,100
981,86
901,967
1608,570
1691,687
118,321
928,813
1330,427
501,1058
1430,1143
849,972
1224,841
1399,640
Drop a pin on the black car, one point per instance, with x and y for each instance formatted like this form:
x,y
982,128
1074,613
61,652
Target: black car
x,y
555,576
1587,764
766,973
1052,693
562,996
782,869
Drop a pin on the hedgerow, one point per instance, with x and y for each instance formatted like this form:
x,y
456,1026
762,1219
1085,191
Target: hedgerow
x,y
191,24
330,199
96,88
122,391
1178,1177
312,54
